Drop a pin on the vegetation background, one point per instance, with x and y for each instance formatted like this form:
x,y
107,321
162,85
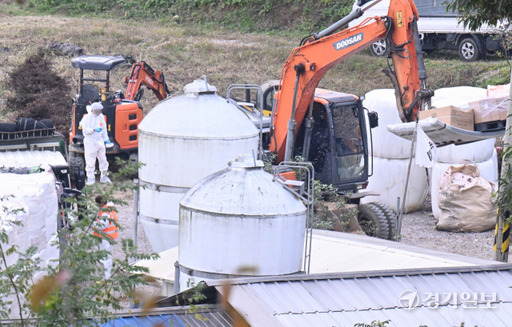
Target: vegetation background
x,y
232,41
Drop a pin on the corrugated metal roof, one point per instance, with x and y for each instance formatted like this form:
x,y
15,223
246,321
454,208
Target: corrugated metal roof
x,y
199,316
340,252
477,296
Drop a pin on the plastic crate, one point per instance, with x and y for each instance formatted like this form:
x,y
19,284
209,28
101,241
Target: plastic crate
x,y
490,126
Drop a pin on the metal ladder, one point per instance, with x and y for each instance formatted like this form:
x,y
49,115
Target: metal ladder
x,y
304,188
257,88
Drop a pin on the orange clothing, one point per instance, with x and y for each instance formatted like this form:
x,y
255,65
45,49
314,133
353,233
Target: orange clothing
x,y
107,218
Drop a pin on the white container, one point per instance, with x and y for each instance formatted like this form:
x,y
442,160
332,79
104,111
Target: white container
x,y
388,145
388,180
457,96
13,210
36,196
182,140
385,143
488,170
238,218
38,193
457,154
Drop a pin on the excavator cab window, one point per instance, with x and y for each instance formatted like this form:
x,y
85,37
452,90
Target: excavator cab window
x,y
349,143
268,98
88,94
338,144
319,143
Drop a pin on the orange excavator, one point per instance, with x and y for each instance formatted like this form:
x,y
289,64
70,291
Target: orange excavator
x,y
331,129
143,74
319,52
123,113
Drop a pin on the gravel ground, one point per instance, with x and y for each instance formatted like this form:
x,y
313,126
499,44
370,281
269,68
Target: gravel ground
x,y
125,219
418,229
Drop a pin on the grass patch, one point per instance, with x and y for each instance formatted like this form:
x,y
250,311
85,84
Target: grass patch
x,y
186,53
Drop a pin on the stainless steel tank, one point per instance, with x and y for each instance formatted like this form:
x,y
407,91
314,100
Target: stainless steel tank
x,y
238,222
182,140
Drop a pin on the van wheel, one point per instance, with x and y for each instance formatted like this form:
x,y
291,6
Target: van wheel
x,y
373,221
379,48
469,50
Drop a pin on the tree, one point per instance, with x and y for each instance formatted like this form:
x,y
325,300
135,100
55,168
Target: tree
x,y
473,14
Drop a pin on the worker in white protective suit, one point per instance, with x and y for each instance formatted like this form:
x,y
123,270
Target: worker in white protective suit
x,y
94,128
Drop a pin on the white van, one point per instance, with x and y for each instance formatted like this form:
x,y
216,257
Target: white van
x,y
439,29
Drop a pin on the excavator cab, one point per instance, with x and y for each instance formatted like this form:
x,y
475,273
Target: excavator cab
x,y
338,140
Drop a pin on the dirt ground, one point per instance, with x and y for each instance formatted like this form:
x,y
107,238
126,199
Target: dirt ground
x,y
40,93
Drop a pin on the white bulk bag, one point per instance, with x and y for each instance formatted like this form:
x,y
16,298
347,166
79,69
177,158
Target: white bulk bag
x,y
465,200
388,181
488,169
385,143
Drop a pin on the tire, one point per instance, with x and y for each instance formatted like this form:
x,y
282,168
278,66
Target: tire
x,y
373,221
77,170
8,127
26,124
45,124
469,50
379,48
391,219
7,131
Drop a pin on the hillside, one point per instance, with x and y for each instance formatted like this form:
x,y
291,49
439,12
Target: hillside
x,y
242,15
185,52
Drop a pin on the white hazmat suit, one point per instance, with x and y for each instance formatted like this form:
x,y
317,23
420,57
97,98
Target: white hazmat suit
x,y
94,128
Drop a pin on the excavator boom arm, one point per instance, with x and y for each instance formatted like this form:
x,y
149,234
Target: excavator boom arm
x,y
143,74
308,63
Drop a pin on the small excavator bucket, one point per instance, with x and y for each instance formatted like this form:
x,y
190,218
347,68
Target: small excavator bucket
x,y
442,134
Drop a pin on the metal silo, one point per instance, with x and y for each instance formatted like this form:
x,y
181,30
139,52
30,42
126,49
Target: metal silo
x,y
182,140
239,222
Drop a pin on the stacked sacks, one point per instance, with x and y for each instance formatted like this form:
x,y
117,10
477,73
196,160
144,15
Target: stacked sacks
x,y
391,158
481,153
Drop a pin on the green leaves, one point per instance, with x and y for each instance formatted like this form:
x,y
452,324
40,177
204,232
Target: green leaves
x,y
475,13
249,15
74,289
